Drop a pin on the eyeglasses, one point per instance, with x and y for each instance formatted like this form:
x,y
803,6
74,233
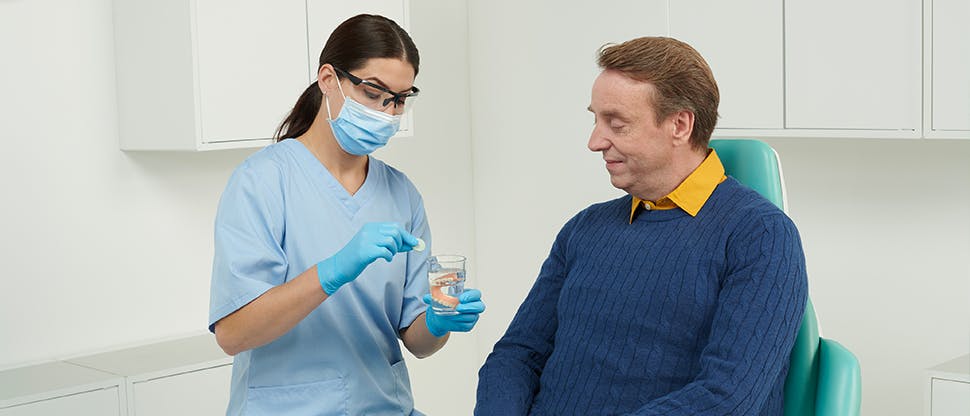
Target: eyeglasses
x,y
378,96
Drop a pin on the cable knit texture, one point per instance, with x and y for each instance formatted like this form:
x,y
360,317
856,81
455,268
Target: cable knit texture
x,y
670,315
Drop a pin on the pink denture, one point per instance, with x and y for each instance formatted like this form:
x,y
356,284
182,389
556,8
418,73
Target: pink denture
x,y
440,297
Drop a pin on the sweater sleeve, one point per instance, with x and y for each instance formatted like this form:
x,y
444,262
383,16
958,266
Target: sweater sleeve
x,y
509,379
760,306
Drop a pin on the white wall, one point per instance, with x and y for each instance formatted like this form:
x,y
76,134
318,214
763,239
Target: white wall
x,y
104,248
101,247
438,160
886,224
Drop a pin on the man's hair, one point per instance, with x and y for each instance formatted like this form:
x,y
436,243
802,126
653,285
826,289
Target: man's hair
x,y
680,76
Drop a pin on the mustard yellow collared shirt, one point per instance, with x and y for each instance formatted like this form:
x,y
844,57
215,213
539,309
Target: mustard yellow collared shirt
x,y
692,193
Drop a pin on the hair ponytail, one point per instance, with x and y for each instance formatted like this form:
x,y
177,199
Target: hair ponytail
x,y
302,114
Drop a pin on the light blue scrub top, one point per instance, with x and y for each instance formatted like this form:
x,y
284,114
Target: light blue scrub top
x,y
281,213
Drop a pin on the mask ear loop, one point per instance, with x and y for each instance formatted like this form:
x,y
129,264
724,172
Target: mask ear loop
x,y
326,99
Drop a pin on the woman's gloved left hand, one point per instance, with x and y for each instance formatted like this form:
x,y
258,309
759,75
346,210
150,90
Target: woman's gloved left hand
x,y
469,307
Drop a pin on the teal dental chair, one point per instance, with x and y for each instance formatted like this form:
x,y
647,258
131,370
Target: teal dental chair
x,y
824,378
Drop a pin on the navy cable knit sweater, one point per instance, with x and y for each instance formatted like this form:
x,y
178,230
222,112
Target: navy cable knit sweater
x,y
670,315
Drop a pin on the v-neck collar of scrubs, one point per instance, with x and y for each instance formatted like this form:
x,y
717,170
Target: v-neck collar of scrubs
x,y
352,203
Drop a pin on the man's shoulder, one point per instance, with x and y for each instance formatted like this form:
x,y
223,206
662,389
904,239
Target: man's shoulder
x,y
735,205
735,196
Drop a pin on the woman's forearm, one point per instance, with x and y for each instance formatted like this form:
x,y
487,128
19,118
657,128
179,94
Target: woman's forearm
x,y
420,341
270,315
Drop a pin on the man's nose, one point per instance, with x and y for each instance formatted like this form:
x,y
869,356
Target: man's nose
x,y
597,141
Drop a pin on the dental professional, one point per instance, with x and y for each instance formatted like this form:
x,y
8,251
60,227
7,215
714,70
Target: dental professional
x,y
316,274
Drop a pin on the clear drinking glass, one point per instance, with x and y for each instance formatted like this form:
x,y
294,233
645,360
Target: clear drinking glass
x,y
446,275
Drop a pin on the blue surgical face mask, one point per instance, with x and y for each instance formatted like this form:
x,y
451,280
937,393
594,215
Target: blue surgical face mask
x,y
360,130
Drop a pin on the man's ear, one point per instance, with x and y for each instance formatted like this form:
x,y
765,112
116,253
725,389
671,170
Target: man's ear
x,y
681,125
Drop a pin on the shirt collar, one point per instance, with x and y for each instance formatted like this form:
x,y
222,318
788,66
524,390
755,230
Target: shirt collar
x,y
692,193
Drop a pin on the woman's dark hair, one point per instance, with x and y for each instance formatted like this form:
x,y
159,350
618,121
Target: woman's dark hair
x,y
351,44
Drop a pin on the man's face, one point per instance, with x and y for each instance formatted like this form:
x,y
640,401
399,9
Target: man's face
x,y
637,151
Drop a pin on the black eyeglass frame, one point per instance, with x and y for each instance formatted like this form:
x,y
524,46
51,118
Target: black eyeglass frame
x,y
396,97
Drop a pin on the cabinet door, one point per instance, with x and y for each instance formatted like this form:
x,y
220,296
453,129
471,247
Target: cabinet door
x,y
93,403
950,65
742,42
950,398
202,392
853,64
251,62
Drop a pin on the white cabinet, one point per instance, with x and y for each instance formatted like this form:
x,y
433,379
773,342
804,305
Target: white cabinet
x,y
745,53
59,388
948,388
853,66
217,74
826,68
178,394
93,403
186,376
250,60
206,74
947,68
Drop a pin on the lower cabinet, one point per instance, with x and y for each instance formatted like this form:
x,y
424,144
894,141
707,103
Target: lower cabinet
x,y
185,377
101,402
59,388
948,388
201,392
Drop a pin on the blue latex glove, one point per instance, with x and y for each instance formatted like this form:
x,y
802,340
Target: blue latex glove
x,y
376,240
469,307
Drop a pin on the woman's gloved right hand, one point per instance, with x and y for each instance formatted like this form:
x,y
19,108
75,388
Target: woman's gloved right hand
x,y
376,240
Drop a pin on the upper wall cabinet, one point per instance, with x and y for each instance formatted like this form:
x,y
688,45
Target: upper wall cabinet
x,y
947,70
214,74
750,73
207,74
853,65
828,68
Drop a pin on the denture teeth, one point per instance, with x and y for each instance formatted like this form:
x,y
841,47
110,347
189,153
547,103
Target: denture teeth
x,y
448,301
450,277
440,297
450,305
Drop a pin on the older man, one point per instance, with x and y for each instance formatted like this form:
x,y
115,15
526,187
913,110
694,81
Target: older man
x,y
681,298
